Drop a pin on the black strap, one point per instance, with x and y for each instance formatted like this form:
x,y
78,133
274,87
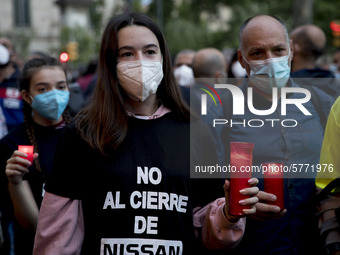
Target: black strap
x,y
327,190
328,226
337,214
332,248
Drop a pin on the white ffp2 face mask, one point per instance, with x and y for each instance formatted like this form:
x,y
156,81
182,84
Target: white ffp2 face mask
x,y
269,73
184,75
4,55
140,78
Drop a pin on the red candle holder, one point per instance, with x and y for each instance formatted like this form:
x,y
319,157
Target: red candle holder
x,y
241,160
28,149
273,182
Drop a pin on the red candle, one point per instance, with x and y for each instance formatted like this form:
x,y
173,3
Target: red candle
x,y
241,159
28,149
273,182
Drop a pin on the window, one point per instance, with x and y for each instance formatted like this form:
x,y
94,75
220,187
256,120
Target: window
x,y
22,13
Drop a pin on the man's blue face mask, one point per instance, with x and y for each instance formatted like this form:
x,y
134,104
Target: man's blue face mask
x,y
269,73
51,104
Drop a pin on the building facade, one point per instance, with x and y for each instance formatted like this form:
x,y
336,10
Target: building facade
x,y
36,25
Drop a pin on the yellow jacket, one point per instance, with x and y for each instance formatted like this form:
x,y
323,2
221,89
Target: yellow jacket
x,y
330,151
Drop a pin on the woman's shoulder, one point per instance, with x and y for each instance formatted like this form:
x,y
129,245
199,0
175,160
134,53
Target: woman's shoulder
x,y
71,138
71,132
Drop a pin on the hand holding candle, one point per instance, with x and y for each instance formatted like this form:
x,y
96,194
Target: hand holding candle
x,y
241,156
251,192
17,164
273,182
28,149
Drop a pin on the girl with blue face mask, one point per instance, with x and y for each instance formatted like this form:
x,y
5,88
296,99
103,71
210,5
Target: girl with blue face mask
x,y
45,93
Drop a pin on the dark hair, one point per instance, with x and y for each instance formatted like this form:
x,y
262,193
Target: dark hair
x,y
30,68
38,54
103,123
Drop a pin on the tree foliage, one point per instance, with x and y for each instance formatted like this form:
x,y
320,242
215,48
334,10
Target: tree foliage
x,y
84,38
188,23
186,27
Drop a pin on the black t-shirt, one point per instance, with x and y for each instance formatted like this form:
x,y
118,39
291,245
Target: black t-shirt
x,y
139,199
46,138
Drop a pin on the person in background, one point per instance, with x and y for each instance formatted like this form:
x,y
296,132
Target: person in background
x,y
182,67
3,126
335,66
328,205
209,67
265,51
309,44
132,143
85,78
235,69
11,107
10,100
209,63
16,60
44,89
86,83
90,88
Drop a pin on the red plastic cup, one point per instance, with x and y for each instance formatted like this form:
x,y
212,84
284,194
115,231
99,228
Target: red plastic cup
x,y
273,182
28,149
241,160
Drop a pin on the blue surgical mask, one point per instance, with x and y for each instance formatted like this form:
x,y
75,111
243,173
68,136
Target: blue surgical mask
x,y
51,104
269,73
334,69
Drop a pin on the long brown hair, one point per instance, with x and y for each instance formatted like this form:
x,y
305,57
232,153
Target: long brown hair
x,y
103,123
30,68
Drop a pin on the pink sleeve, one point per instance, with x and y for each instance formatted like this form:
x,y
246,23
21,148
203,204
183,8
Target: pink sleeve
x,y
60,227
215,229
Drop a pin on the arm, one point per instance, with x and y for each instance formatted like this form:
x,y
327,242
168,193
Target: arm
x,y
60,227
218,229
328,203
329,156
25,208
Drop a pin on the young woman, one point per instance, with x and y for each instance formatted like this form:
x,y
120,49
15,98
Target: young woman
x,y
45,93
121,180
